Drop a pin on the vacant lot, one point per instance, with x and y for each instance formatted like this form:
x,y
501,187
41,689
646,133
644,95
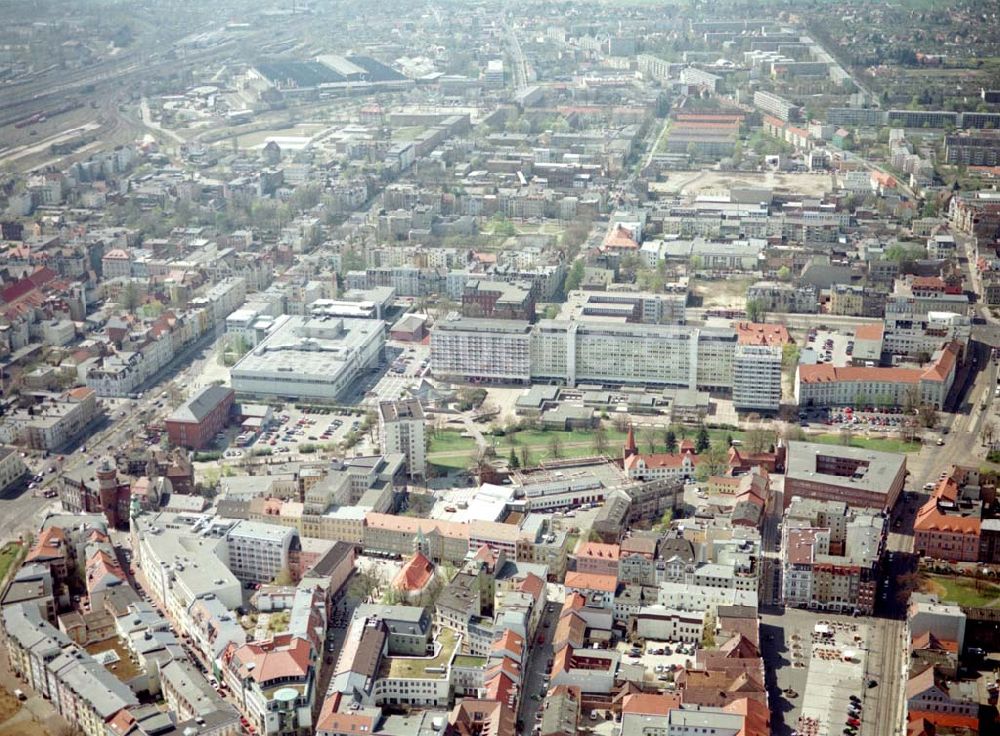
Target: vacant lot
x,y
696,182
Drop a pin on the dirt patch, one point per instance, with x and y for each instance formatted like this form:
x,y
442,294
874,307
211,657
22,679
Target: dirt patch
x,y
692,183
9,704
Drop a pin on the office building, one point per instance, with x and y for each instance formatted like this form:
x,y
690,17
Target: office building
x,y
859,477
823,384
194,423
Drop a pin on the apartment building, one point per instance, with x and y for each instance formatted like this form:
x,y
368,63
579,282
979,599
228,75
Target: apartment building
x,y
439,540
401,427
830,556
914,333
612,353
12,467
949,525
856,301
775,105
757,377
54,421
182,560
258,552
273,683
777,296
83,691
482,350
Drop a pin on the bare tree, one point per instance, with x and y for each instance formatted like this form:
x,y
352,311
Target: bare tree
x,y
989,433
555,445
649,438
600,440
928,416
758,440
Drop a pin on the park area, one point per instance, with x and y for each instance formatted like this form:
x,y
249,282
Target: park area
x,y
969,591
452,450
455,450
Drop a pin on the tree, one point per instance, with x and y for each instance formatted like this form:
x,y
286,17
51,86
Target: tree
x,y
755,310
664,523
512,462
927,415
758,440
784,273
989,433
713,461
575,276
600,440
130,296
284,577
525,457
366,583
649,438
670,441
555,445
701,440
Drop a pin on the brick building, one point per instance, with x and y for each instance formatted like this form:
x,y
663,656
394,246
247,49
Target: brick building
x,y
195,423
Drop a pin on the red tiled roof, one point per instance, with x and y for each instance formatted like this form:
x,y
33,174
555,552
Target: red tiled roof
x,y
415,574
591,581
285,656
598,550
759,333
648,704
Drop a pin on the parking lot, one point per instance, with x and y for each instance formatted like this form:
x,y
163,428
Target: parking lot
x,y
407,364
290,430
830,346
657,661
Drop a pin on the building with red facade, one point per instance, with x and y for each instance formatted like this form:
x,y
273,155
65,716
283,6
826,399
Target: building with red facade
x,y
195,423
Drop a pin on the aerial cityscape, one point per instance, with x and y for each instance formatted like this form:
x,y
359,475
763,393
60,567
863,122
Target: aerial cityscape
x,y
468,368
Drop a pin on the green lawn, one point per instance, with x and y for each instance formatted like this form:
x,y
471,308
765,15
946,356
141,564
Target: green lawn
x,y
882,444
450,441
9,554
405,667
448,450
961,590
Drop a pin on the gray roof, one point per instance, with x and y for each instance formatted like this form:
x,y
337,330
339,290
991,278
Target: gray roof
x,y
201,404
875,474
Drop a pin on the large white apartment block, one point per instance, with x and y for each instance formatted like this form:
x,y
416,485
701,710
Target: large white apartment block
x,y
401,427
775,105
258,552
482,350
757,377
618,353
